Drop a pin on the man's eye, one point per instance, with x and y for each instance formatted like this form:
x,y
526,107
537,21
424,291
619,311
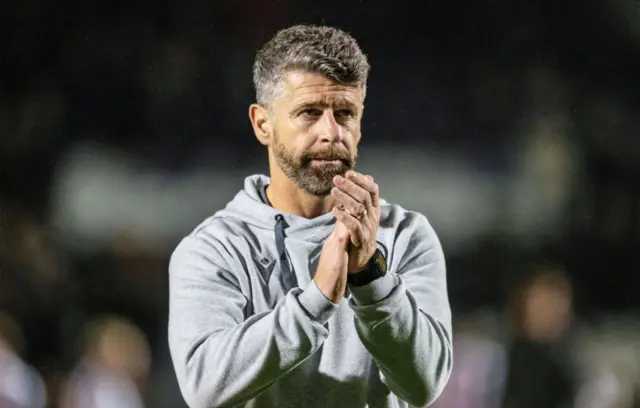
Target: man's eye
x,y
311,112
344,113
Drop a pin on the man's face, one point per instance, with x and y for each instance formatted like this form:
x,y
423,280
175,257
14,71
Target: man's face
x,y
315,130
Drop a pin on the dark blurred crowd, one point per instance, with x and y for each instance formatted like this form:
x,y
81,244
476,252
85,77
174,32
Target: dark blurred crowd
x,y
549,324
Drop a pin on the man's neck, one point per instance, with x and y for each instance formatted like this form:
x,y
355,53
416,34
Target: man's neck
x,y
284,195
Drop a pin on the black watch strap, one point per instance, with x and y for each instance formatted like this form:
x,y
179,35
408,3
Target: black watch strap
x,y
376,268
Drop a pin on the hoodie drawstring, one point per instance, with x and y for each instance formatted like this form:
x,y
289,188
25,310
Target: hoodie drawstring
x,y
289,280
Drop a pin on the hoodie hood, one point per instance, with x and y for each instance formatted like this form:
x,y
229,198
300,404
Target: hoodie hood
x,y
247,206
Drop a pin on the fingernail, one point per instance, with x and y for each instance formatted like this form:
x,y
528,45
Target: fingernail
x,y
350,174
337,179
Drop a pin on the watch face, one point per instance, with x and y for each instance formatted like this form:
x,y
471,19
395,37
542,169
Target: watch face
x,y
381,261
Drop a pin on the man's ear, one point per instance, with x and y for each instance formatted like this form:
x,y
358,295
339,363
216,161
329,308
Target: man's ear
x,y
261,123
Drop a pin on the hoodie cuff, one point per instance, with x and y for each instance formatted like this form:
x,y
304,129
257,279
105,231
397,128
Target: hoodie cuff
x,y
316,304
375,291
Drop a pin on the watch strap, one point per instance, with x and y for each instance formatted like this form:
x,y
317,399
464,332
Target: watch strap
x,y
370,273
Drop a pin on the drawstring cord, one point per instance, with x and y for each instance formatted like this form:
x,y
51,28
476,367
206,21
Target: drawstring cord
x,y
289,279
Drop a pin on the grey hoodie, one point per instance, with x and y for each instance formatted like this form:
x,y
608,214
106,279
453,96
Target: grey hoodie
x,y
248,327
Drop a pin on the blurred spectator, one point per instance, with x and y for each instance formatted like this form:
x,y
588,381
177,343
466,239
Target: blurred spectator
x,y
479,371
113,370
540,370
610,365
20,384
33,281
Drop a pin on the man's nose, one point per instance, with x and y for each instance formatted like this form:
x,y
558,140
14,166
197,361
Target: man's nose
x,y
330,130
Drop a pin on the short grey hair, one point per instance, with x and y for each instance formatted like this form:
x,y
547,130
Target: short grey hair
x,y
326,51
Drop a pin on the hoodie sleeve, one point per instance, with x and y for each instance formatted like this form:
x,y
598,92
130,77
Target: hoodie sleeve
x,y
404,318
221,359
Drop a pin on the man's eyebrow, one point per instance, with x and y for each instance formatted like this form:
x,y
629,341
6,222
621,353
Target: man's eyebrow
x,y
311,104
324,103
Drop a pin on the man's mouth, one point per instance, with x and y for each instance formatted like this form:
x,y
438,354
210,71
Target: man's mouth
x,y
326,161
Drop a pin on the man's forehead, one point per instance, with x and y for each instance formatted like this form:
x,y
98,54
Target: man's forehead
x,y
307,87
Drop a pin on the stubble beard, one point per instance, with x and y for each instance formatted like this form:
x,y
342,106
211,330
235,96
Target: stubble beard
x,y
317,181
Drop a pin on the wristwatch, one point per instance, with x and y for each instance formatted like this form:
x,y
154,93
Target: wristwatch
x,y
376,268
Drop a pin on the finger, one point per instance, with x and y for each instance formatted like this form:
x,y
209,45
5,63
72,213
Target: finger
x,y
353,225
363,181
347,202
355,191
366,182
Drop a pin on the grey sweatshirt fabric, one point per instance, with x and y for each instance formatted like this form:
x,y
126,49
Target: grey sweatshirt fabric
x,y
248,327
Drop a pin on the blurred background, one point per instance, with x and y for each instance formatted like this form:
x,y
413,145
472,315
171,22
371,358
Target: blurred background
x,y
514,126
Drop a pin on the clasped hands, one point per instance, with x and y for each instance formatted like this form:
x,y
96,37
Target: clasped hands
x,y
357,211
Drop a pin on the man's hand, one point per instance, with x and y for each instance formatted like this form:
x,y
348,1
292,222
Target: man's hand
x,y
358,208
331,275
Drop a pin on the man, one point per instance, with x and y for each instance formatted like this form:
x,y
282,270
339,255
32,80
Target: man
x,y
21,386
115,362
308,290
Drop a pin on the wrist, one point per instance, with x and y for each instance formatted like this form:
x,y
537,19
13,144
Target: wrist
x,y
374,269
360,269
361,266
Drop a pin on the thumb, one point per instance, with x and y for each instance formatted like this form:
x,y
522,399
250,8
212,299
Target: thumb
x,y
341,233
